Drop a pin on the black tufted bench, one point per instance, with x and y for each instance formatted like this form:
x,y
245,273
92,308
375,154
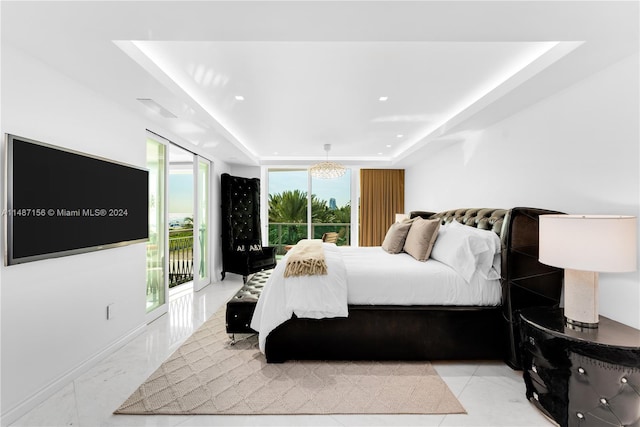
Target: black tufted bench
x,y
240,308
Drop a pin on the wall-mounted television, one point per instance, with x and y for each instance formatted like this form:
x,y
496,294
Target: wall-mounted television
x,y
61,202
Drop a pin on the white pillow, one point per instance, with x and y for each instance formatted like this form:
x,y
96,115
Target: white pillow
x,y
468,250
488,263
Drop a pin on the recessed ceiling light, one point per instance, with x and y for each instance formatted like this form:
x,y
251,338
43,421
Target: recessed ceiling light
x,y
383,98
379,154
399,135
388,145
239,98
275,153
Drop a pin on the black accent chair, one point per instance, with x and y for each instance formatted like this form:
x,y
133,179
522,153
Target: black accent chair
x,y
242,250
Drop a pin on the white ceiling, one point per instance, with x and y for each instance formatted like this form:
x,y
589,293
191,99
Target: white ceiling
x,y
312,73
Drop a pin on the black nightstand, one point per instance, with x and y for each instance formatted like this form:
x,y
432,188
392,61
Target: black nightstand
x,y
578,378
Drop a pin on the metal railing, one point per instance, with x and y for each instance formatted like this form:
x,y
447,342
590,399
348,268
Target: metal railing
x,y
282,234
180,257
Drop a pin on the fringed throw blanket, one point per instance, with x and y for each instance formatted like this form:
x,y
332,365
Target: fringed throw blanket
x,y
306,258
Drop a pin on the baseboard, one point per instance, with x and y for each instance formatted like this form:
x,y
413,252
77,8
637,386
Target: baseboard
x,y
31,402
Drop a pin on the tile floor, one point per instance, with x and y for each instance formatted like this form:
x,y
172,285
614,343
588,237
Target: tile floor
x,y
492,393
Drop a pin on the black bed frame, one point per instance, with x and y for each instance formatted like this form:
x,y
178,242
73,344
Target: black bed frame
x,y
437,332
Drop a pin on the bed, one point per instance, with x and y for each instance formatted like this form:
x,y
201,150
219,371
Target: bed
x,y
396,324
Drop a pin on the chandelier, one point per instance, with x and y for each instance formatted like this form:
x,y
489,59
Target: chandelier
x,y
327,169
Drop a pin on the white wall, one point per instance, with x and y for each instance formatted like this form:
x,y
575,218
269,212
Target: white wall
x,y
245,171
218,169
53,312
576,152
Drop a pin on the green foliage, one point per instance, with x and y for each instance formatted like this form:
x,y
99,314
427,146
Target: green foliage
x,y
180,232
290,208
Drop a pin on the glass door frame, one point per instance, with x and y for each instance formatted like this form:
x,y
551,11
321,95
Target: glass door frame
x,y
164,307
200,282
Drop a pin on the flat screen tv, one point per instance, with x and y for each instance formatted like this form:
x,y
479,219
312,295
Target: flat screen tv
x,y
60,202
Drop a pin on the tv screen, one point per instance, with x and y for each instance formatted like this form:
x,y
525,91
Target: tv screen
x,y
61,202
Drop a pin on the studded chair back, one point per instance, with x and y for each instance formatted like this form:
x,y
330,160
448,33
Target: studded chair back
x,y
242,250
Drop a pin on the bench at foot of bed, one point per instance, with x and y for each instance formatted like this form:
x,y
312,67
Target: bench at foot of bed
x,y
240,308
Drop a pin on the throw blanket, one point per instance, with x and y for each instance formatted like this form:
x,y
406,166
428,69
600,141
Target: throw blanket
x,y
306,258
313,297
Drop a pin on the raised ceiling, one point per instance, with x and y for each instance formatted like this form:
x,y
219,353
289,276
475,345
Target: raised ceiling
x,y
272,82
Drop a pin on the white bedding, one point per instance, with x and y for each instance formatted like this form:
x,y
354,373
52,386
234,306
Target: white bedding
x,y
365,276
378,278
314,297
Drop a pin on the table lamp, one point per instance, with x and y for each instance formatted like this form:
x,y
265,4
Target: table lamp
x,y
585,245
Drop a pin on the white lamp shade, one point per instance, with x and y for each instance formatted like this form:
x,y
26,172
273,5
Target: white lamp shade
x,y
600,243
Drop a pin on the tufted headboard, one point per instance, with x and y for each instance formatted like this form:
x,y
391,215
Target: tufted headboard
x,y
525,281
482,218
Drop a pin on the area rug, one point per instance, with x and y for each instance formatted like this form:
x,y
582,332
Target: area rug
x,y
207,375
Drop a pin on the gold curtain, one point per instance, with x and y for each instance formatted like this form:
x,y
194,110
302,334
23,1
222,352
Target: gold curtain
x,y
381,198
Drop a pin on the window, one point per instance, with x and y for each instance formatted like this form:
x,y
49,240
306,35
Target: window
x,y
294,198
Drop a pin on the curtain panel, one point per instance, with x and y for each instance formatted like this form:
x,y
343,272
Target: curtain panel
x,y
381,197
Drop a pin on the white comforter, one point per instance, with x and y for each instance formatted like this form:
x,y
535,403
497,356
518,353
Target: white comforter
x,y
315,297
365,276
376,277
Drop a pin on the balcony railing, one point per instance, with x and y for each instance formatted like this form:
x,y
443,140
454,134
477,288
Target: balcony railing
x,y
180,257
282,234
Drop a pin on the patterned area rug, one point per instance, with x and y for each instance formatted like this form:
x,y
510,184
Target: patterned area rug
x,y
206,375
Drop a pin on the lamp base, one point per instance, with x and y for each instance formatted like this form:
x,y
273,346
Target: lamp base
x,y
581,298
579,326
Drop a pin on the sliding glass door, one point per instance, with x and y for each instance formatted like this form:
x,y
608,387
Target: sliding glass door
x,y
331,207
178,251
157,284
181,215
288,211
303,207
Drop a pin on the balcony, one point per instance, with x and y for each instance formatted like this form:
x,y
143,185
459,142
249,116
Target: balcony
x,y
180,256
282,234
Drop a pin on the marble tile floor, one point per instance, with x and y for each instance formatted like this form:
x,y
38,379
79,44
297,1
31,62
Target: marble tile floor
x,y
492,393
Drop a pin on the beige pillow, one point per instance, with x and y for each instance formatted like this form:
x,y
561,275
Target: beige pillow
x,y
397,233
421,237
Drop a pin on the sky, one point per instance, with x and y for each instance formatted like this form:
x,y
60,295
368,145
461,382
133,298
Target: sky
x,y
180,195
324,189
